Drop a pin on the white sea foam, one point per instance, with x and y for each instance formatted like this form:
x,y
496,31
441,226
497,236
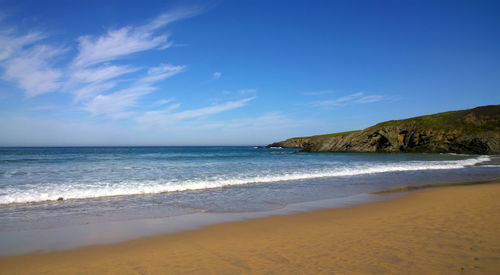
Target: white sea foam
x,y
51,192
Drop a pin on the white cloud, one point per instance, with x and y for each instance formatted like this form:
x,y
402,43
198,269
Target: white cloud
x,y
162,102
32,71
166,115
161,72
102,73
348,98
115,44
12,44
92,90
317,93
370,99
127,40
171,16
115,104
211,110
29,64
356,98
95,78
86,83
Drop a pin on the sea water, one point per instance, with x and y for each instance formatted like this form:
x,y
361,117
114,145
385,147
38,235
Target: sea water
x,y
68,191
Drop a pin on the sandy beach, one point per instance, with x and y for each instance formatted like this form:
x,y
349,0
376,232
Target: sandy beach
x,y
446,230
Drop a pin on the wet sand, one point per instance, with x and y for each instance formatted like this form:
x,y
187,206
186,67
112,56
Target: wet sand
x,y
446,230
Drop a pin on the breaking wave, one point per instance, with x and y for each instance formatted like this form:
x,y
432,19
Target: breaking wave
x,y
97,189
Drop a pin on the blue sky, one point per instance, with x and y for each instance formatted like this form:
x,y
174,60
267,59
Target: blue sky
x,y
236,72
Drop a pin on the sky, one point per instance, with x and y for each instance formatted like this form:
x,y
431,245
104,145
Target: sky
x,y
87,73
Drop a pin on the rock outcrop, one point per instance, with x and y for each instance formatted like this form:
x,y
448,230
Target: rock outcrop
x,y
473,131
290,143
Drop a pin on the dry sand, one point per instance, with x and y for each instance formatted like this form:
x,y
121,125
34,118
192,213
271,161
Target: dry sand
x,y
436,231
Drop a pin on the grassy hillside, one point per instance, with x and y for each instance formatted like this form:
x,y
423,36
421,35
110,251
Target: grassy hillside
x,y
466,131
479,119
328,135
485,118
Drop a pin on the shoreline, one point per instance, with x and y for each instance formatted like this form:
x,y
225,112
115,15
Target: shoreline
x,y
61,237
164,188
412,188
450,229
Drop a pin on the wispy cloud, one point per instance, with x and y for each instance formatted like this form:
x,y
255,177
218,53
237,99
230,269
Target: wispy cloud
x,y
95,76
90,67
171,16
161,72
90,75
124,41
370,99
115,44
12,44
211,110
29,65
89,91
166,115
33,72
115,105
101,73
216,75
317,93
101,83
162,102
355,98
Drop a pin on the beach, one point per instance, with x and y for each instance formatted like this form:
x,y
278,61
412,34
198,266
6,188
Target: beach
x,y
249,137
439,230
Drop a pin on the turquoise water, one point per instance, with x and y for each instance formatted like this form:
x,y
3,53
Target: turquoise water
x,y
46,174
119,184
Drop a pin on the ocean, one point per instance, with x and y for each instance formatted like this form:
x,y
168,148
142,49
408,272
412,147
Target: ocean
x,y
59,197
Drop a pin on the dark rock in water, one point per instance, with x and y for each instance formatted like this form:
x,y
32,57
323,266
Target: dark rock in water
x,y
60,199
473,131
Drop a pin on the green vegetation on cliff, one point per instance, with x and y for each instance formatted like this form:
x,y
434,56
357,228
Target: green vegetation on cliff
x,y
466,131
480,119
330,135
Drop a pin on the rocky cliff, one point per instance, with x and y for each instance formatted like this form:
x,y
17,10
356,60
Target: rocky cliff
x,y
473,131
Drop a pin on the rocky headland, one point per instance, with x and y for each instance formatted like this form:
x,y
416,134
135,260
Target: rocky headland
x,y
472,131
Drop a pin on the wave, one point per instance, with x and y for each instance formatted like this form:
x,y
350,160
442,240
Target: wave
x,y
53,192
